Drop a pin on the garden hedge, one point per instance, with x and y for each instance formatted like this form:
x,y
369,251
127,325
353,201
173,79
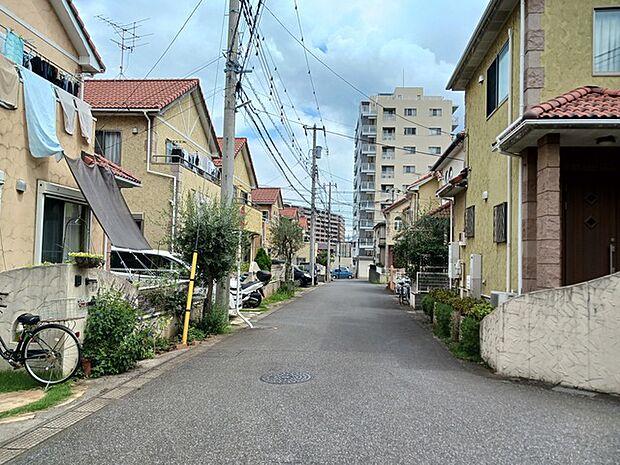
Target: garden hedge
x,y
443,318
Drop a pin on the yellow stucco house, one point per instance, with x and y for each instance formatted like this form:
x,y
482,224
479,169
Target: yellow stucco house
x,y
537,206
43,214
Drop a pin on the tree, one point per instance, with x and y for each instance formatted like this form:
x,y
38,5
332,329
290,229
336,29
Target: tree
x,y
321,258
422,244
263,260
213,230
287,238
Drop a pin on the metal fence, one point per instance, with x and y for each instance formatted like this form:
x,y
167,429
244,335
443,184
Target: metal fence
x,y
425,281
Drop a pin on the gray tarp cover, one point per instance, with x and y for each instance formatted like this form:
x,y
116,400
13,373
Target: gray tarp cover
x,y
104,197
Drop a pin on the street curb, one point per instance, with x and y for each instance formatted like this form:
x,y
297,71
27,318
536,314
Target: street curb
x,y
133,381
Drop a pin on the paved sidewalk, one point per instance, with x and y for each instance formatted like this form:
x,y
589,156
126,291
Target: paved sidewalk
x,y
378,388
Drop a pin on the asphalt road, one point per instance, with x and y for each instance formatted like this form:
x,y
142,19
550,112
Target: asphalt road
x,y
383,391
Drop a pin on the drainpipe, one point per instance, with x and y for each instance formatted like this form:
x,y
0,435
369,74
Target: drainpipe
x,y
521,110
509,173
173,202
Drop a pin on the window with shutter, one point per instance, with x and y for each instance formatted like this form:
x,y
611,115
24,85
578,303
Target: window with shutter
x,y
470,221
499,222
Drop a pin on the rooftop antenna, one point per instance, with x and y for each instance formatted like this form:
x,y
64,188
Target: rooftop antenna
x,y
128,39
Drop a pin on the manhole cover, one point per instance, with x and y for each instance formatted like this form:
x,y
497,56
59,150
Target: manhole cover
x,y
286,377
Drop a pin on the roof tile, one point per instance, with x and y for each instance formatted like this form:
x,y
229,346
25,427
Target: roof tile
x,y
135,93
117,171
583,102
265,195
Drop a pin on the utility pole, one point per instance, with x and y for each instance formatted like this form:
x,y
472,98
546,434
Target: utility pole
x,y
316,153
230,104
328,274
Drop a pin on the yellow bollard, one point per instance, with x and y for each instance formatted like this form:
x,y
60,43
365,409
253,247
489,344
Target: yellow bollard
x,y
190,294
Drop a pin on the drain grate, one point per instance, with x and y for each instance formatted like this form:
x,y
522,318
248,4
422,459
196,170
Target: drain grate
x,y
286,377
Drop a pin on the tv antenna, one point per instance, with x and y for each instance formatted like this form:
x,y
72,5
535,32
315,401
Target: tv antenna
x,y
128,39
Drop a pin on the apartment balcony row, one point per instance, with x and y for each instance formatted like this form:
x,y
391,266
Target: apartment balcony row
x,y
366,243
367,205
367,167
367,186
366,224
368,109
369,129
369,148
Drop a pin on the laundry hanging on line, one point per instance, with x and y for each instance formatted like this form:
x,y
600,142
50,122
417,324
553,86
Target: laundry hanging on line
x,y
67,103
14,47
40,103
9,84
86,119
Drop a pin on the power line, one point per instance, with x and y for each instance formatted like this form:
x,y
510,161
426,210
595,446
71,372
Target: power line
x,y
337,74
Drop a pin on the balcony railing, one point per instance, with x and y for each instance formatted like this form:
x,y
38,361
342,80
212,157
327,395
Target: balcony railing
x,y
367,205
368,167
389,175
366,243
367,186
369,110
389,116
369,129
369,148
388,155
366,224
389,136
186,163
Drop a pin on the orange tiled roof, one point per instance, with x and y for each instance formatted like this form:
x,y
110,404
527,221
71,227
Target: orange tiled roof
x,y
135,93
583,102
265,195
239,141
303,222
442,211
117,170
289,212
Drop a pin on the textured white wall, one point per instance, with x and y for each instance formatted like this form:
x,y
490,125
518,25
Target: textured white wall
x,y
568,335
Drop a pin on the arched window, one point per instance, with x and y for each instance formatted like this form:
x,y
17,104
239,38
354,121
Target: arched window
x,y
398,223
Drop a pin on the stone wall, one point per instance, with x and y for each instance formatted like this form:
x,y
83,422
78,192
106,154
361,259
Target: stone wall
x,y
569,335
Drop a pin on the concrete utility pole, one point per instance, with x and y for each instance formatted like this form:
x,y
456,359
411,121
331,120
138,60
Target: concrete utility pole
x,y
316,153
328,274
230,102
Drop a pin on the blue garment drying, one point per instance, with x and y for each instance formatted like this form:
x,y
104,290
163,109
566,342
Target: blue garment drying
x,y
14,48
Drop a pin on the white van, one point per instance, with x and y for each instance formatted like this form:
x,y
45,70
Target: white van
x,y
147,267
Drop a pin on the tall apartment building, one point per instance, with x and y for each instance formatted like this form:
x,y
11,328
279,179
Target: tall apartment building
x,y
399,137
336,227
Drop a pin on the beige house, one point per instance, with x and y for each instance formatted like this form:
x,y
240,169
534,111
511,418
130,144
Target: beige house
x,y
43,214
268,200
540,206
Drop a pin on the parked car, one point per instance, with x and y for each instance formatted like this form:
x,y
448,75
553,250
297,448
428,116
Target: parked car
x,y
302,276
342,273
147,267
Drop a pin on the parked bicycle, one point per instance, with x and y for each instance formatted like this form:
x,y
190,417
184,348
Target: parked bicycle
x,y
403,289
49,352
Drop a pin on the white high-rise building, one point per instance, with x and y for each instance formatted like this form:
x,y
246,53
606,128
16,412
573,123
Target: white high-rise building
x,y
399,136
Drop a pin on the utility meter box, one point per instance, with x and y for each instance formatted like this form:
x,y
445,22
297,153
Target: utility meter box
x,y
475,275
454,269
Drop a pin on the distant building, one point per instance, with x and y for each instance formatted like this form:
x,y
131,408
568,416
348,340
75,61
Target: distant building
x,y
335,229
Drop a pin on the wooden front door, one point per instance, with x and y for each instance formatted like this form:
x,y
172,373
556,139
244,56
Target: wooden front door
x,y
591,225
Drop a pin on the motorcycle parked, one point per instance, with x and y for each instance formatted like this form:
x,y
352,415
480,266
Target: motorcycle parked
x,y
251,293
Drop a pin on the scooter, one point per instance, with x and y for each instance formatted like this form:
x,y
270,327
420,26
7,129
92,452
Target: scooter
x,y
251,293
403,289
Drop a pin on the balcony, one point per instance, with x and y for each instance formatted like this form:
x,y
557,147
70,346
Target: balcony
x,y
369,148
388,155
367,205
366,224
369,110
366,243
367,186
387,175
368,167
455,122
369,129
389,116
389,136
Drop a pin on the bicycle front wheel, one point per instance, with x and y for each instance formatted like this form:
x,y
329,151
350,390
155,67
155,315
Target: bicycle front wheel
x,y
52,354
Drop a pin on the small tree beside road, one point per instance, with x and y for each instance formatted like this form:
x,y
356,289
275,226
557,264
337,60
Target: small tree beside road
x,y
287,238
423,244
213,230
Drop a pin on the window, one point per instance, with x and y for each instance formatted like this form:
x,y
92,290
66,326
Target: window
x,y
410,131
389,133
387,172
434,150
470,221
388,153
409,150
411,112
408,169
265,216
499,222
436,112
398,223
607,41
389,113
435,131
108,144
65,229
497,80
139,219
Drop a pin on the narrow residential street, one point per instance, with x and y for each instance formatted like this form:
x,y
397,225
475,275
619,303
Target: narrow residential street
x,y
382,391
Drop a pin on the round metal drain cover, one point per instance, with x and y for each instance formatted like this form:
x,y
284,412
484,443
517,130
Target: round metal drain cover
x,y
286,377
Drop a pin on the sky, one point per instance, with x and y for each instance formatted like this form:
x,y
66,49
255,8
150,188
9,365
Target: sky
x,y
370,45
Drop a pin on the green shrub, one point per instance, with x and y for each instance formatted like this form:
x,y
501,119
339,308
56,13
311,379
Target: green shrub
x,y
427,305
263,260
443,295
470,336
111,341
194,333
480,310
215,321
442,317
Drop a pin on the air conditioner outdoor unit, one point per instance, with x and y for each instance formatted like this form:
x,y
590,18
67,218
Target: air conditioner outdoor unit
x,y
498,297
462,239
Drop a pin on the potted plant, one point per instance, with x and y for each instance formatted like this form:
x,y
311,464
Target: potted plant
x,y
86,260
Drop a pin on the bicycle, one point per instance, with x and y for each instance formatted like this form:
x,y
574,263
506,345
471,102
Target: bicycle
x,y
49,352
403,288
